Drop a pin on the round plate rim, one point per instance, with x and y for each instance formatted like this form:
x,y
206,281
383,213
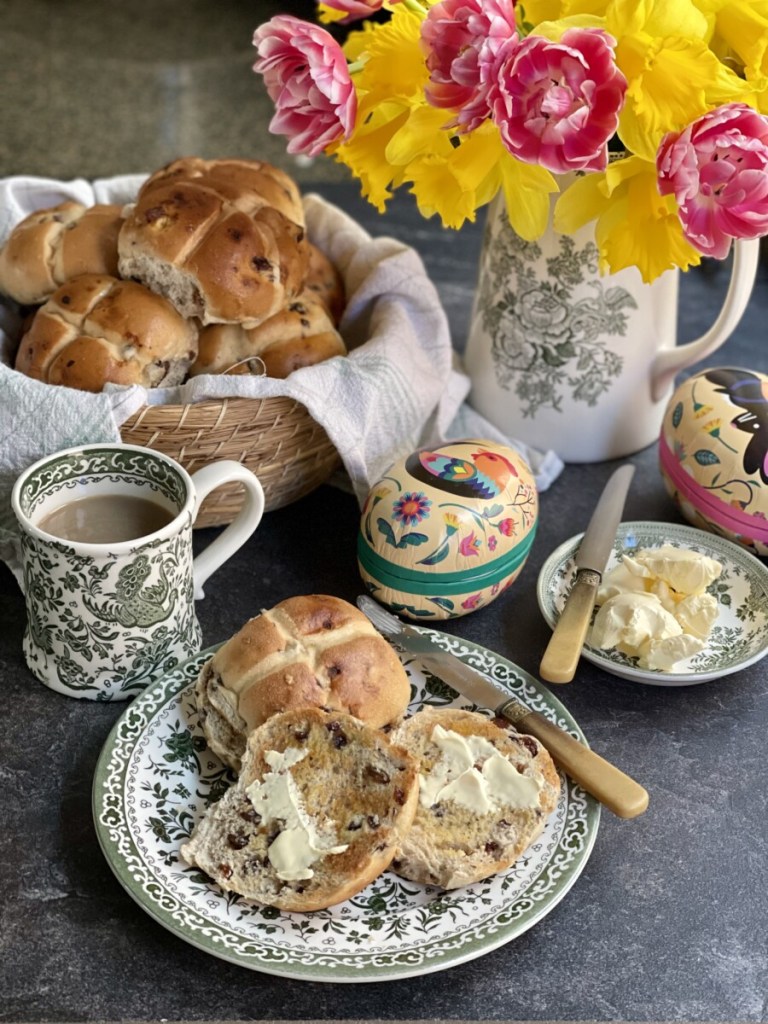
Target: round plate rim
x,y
171,686
651,678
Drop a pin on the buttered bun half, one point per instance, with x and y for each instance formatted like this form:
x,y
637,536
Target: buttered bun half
x,y
485,795
320,806
223,240
309,651
97,329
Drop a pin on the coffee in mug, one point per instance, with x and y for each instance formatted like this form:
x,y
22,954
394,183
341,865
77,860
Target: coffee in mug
x,y
106,518
109,579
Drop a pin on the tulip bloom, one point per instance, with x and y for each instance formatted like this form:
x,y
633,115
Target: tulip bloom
x,y
558,104
353,9
717,169
463,41
307,78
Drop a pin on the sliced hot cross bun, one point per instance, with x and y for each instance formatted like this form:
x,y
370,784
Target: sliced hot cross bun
x,y
307,651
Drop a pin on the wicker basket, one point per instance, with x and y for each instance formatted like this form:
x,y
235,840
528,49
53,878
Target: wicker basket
x,y
275,437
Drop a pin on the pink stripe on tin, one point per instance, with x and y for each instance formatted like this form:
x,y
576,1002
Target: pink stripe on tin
x,y
720,512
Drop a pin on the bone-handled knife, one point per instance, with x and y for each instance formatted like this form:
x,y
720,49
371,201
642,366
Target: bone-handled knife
x,y
607,783
558,665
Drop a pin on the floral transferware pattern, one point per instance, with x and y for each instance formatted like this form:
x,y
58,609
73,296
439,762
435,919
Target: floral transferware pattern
x,y
739,637
546,342
105,625
156,776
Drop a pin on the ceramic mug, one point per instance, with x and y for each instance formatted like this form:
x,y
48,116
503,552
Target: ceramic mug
x,y
563,358
106,617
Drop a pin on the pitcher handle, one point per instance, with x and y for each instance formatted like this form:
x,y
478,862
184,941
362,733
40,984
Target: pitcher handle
x,y
239,530
668,364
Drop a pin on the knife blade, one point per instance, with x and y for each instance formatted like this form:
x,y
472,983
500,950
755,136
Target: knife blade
x,y
558,664
607,783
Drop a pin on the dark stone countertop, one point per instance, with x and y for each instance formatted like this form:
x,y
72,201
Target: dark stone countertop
x,y
668,919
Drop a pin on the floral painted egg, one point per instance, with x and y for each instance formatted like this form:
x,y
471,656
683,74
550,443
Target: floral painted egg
x,y
713,453
446,530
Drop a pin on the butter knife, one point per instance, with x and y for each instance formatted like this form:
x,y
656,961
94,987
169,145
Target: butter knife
x,y
607,783
558,665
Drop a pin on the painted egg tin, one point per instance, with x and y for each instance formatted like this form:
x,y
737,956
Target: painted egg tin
x,y
445,530
713,453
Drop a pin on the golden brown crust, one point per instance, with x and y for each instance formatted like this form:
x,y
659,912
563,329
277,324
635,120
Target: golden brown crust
x,y
325,283
96,329
307,651
301,334
223,239
57,243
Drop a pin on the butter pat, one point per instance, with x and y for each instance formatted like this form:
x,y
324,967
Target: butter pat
x,y
473,773
654,606
663,655
629,620
276,798
685,571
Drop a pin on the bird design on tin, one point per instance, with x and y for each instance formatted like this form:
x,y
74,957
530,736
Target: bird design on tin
x,y
485,474
747,392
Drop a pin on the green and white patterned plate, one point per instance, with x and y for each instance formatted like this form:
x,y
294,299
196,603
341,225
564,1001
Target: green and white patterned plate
x,y
156,776
739,637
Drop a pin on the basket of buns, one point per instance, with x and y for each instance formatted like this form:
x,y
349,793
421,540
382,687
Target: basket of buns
x,y
210,271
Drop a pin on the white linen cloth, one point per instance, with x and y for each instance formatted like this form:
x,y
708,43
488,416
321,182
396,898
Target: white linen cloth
x,y
400,388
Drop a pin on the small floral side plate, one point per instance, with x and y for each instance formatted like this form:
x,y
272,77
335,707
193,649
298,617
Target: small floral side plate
x,y
739,637
155,778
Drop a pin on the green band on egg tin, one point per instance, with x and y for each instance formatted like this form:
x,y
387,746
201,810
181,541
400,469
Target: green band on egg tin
x,y
419,582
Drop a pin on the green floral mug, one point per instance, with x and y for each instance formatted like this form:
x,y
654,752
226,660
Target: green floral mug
x,y
105,617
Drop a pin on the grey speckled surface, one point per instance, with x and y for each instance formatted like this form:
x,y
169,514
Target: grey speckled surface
x,y
668,921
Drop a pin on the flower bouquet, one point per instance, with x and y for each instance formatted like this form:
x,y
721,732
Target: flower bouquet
x,y
644,118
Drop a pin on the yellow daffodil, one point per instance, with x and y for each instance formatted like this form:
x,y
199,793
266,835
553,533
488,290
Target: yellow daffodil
x,y
673,76
635,226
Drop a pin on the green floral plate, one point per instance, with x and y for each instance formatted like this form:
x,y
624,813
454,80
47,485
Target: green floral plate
x,y
739,637
156,776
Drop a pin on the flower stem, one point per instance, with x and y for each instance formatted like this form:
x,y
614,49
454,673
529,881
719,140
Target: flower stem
x,y
415,6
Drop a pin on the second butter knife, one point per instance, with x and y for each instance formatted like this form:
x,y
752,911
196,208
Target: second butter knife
x,y
558,665
607,783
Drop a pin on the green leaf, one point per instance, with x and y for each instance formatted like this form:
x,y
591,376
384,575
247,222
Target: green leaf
x,y
414,539
437,555
677,415
387,530
704,457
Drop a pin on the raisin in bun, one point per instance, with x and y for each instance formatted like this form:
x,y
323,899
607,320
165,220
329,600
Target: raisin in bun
x,y
485,795
223,240
96,329
308,651
321,804
51,246
301,334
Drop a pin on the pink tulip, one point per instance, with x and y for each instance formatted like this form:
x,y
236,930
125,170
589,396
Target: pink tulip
x,y
464,41
557,104
306,75
355,9
717,170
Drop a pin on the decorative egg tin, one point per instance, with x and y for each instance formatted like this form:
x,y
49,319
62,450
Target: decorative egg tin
x,y
713,453
445,531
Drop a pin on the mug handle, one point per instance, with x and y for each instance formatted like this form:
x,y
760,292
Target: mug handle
x,y
239,530
667,364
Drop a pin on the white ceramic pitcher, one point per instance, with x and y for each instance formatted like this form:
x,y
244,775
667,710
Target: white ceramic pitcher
x,y
565,359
